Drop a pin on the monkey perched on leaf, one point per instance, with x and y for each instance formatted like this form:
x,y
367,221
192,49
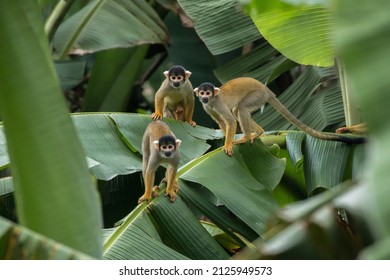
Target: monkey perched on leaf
x,y
175,97
159,146
237,99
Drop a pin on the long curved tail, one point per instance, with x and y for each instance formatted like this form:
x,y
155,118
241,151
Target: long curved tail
x,y
308,130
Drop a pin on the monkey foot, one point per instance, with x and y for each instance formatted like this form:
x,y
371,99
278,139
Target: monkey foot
x,y
228,150
156,116
192,123
171,194
254,136
144,198
155,191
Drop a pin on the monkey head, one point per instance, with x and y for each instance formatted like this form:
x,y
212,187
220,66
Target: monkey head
x,y
177,75
167,145
206,92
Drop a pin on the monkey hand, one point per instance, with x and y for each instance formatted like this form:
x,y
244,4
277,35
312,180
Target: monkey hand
x,y
155,191
157,116
228,150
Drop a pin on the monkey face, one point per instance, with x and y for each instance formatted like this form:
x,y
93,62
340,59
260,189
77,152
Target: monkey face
x,y
176,81
206,92
205,96
177,76
167,146
167,150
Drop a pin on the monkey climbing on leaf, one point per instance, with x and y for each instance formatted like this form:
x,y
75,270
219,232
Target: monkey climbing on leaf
x,y
175,97
237,99
159,146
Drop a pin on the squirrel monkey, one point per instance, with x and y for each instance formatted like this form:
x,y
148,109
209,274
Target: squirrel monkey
x,y
159,146
175,98
237,99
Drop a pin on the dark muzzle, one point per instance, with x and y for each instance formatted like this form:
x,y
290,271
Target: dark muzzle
x,y
204,100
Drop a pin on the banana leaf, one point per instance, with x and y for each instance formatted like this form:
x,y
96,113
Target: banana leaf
x,y
53,190
20,243
123,23
303,33
220,24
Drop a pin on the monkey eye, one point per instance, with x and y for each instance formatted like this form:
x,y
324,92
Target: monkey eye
x,y
207,93
167,147
176,78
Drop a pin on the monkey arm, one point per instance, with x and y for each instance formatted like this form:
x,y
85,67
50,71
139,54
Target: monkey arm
x,y
148,181
158,107
159,101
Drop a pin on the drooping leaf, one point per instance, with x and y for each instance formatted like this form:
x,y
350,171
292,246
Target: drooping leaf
x,y
103,143
262,164
70,73
112,79
124,23
294,142
303,33
324,163
194,196
241,193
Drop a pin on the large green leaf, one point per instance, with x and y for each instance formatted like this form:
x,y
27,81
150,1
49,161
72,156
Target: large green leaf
x,y
112,79
313,229
133,127
303,33
249,64
220,24
363,46
20,243
324,163
70,73
54,193
111,141
181,230
103,144
196,197
124,23
240,192
136,238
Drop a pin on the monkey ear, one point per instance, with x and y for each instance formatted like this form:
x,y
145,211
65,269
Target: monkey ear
x,y
156,144
178,142
188,74
216,91
196,91
166,74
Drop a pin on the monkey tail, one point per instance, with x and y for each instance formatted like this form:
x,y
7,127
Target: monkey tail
x,y
308,130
